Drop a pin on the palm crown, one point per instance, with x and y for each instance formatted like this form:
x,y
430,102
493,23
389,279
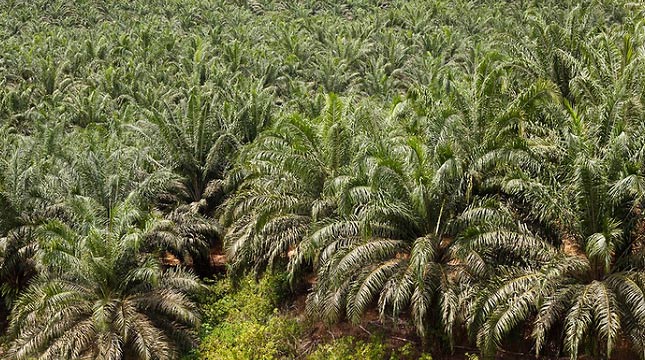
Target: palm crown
x,y
94,299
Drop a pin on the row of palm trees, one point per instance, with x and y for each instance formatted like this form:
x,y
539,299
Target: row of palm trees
x,y
472,168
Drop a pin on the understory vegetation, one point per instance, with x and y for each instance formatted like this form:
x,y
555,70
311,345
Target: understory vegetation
x,y
266,179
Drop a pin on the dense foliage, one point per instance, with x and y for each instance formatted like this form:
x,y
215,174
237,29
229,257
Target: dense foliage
x,y
243,322
472,169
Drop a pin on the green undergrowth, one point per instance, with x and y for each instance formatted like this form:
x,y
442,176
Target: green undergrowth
x,y
244,322
349,348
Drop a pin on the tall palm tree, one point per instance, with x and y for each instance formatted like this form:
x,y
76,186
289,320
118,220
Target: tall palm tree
x,y
98,294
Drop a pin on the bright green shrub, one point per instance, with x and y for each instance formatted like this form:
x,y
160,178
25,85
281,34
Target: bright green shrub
x,y
348,348
243,323
251,340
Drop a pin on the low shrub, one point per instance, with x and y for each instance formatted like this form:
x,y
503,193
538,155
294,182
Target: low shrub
x,y
242,322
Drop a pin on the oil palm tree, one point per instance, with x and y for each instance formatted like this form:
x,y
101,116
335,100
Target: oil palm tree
x,y
99,294
286,172
386,245
201,144
101,174
400,244
203,139
37,180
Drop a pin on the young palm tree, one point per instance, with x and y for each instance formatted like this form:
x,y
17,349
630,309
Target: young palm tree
x,y
98,295
200,144
387,245
203,139
286,172
399,245
37,180
110,172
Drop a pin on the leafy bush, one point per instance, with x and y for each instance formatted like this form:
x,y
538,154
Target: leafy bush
x,y
243,322
252,340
